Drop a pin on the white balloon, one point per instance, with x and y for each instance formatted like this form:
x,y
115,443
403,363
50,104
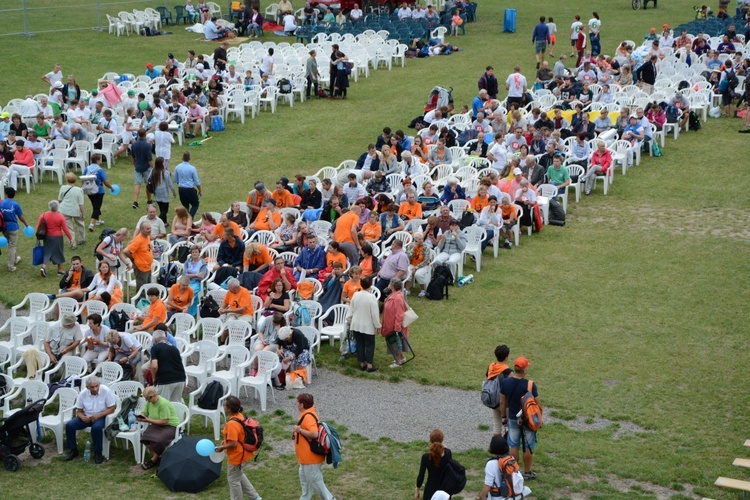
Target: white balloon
x,y
217,457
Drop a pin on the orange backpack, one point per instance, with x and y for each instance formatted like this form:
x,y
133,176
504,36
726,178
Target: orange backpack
x,y
532,412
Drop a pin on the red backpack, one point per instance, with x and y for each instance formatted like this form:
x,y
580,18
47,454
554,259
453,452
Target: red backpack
x,y
253,434
532,412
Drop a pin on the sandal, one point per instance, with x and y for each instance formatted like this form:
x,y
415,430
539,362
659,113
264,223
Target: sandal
x,y
148,464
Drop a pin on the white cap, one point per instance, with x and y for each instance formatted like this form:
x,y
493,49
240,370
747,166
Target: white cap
x,y
517,171
199,66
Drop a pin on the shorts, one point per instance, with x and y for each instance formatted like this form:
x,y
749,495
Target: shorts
x,y
552,39
514,435
540,46
142,177
573,42
726,98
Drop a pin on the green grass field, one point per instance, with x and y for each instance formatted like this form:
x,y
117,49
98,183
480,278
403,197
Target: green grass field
x,y
636,311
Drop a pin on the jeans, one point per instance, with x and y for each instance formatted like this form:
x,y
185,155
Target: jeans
x,y
75,425
311,480
488,239
365,347
189,200
596,45
239,485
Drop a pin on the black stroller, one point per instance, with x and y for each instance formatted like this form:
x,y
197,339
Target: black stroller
x,y
15,435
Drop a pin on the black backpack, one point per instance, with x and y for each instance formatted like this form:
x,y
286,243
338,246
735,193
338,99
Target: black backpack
x,y
441,279
693,122
209,400
556,214
209,308
168,275
285,86
467,219
105,233
118,320
453,478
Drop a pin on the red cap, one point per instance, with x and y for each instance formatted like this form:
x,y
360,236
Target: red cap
x,y
521,363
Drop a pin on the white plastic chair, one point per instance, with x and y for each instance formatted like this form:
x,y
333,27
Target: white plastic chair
x,y
475,235
208,353
37,302
66,402
268,362
216,414
270,95
239,360
337,328
183,415
70,366
109,373
185,326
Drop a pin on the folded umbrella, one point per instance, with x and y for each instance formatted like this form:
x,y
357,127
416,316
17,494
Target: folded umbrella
x,y
182,469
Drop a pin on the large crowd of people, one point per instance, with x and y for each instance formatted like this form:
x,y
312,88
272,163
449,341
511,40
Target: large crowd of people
x,y
363,235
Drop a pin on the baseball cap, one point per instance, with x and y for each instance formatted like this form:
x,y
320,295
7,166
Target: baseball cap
x,y
260,186
653,30
517,171
664,26
4,115
521,363
58,85
199,66
95,92
131,92
150,65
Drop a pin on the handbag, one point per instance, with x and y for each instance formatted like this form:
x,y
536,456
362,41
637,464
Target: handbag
x,y
409,317
37,255
41,230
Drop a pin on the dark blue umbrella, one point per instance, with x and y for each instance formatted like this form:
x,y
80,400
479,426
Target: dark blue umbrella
x,y
182,469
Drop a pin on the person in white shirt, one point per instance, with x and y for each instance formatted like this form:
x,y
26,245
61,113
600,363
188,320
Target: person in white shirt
x,y
480,124
666,41
34,144
163,141
356,13
266,64
202,72
498,153
418,12
29,109
54,76
404,12
290,24
516,85
92,407
575,28
45,108
80,114
95,337
231,77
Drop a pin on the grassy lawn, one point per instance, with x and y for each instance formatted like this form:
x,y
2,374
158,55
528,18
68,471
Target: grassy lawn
x,y
636,311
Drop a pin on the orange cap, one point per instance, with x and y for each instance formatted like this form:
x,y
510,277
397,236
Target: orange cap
x,y
653,30
664,26
521,363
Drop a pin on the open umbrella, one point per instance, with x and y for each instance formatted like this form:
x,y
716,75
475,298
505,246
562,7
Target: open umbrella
x,y
182,469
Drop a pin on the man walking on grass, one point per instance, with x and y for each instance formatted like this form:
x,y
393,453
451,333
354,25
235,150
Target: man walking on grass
x,y
511,393
540,39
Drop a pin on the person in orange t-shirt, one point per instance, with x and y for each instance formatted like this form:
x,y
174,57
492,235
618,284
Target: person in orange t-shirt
x,y
310,464
353,285
155,314
218,232
268,219
139,251
180,296
481,200
237,305
257,258
334,255
237,456
346,235
282,197
410,209
372,230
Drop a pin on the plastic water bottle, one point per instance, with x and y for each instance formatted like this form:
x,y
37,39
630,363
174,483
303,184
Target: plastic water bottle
x,y
461,280
131,420
87,451
122,425
469,279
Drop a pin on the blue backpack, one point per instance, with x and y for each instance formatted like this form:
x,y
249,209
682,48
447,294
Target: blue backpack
x,y
217,124
301,316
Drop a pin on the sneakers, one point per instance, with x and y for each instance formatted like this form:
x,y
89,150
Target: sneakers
x,y
135,204
91,228
99,222
395,364
189,136
43,272
51,296
150,202
422,293
12,269
529,476
342,358
18,259
372,369
507,244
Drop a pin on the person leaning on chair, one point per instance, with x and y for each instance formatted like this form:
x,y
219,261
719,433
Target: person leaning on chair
x,y
93,405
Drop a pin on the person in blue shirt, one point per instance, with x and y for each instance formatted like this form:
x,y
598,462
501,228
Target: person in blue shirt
x,y
477,104
540,39
634,134
311,259
151,72
452,191
98,198
189,184
12,213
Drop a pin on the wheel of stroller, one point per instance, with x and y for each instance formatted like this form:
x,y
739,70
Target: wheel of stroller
x,y
636,4
12,463
36,450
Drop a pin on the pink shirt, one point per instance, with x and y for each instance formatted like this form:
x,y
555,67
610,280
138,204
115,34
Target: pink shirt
x,y
25,157
56,225
195,112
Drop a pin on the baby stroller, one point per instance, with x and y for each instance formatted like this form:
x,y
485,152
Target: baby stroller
x,y
439,97
15,435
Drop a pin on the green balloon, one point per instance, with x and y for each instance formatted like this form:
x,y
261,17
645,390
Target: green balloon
x,y
143,105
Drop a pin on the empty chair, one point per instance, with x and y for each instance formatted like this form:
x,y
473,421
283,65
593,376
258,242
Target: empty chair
x,y
475,235
335,327
66,401
239,360
68,366
37,303
208,353
268,367
109,373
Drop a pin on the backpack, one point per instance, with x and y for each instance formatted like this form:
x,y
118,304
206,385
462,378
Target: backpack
x,y
105,233
693,122
532,413
209,400
327,443
467,219
511,482
453,478
441,279
285,86
118,320
491,391
150,185
2,222
684,84
556,213
253,434
90,187
217,124
168,275
301,316
673,114
209,308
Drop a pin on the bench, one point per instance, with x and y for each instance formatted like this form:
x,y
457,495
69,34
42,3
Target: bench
x,y
735,484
